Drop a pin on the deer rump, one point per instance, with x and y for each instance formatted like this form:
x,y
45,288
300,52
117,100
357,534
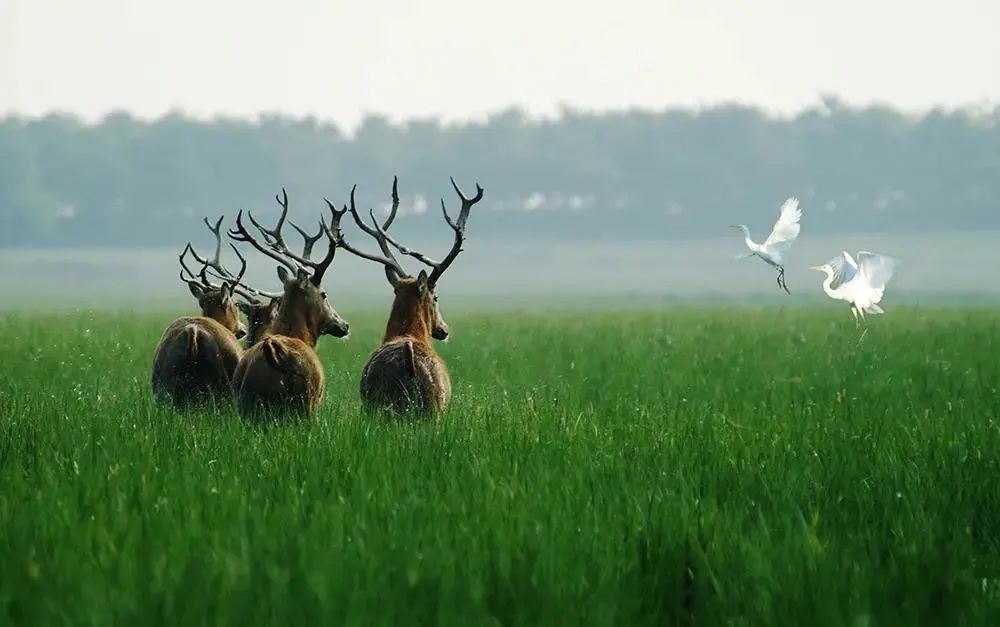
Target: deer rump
x,y
406,376
194,363
278,374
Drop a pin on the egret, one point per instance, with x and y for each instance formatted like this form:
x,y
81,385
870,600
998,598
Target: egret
x,y
861,283
773,250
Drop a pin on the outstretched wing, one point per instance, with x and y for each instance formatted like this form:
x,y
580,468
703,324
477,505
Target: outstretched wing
x,y
876,269
786,229
844,269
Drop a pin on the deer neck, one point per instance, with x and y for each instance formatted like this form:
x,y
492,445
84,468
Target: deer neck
x,y
296,324
408,318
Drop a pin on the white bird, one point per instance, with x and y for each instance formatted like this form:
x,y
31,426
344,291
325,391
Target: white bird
x,y
773,250
861,283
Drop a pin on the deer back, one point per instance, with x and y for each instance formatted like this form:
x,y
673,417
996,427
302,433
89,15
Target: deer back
x,y
194,362
406,376
279,376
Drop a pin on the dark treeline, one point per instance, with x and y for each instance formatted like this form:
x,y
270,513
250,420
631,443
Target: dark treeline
x,y
634,174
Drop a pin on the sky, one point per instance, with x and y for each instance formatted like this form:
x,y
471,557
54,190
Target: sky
x,y
459,59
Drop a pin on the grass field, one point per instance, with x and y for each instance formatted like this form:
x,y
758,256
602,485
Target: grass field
x,y
748,466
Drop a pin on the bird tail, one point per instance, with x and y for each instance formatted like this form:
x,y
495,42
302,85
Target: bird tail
x,y
874,309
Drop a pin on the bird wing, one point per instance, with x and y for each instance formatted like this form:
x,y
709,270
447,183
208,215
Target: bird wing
x,y
849,259
786,229
844,269
876,269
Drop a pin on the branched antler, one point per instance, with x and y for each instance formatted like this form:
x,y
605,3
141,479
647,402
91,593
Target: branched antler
x,y
393,270
380,233
214,263
241,234
386,242
202,275
308,241
274,243
273,236
458,226
213,266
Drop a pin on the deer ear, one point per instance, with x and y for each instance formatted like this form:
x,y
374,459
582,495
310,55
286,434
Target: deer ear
x,y
196,290
283,274
422,282
226,290
302,275
273,305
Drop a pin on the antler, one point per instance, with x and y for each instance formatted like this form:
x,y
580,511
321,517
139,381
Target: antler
x,y
217,269
380,233
274,235
458,226
241,234
213,263
191,276
274,243
393,269
308,241
205,265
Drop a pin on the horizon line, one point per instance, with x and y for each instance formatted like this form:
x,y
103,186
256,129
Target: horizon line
x,y
825,103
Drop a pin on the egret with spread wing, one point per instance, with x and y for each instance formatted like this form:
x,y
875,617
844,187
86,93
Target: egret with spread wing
x,y
773,250
861,283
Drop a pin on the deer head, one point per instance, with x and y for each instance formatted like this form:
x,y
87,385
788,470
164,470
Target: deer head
x,y
215,300
260,317
303,309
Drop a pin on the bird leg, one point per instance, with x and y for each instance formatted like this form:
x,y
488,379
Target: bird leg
x,y
862,338
857,322
781,279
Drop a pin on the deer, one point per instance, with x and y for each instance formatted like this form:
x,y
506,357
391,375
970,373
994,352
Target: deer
x,y
194,361
405,374
281,374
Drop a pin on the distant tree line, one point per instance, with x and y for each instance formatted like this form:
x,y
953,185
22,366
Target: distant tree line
x,y
581,176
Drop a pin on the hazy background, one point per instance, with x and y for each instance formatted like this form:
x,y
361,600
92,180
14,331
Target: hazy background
x,y
616,143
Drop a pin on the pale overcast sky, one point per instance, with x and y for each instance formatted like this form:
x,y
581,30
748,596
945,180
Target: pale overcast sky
x,y
456,59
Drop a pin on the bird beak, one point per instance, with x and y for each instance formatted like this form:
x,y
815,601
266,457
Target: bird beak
x,y
734,227
820,268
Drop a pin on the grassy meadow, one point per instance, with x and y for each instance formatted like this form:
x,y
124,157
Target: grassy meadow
x,y
679,465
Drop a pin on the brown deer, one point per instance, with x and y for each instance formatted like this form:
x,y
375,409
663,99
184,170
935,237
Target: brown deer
x,y
196,356
281,374
405,374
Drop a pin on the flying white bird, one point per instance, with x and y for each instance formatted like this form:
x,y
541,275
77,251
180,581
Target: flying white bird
x,y
773,250
861,283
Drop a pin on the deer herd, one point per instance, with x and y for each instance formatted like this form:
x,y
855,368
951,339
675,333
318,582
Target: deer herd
x,y
276,371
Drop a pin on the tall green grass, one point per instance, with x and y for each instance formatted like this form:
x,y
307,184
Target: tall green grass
x,y
752,466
